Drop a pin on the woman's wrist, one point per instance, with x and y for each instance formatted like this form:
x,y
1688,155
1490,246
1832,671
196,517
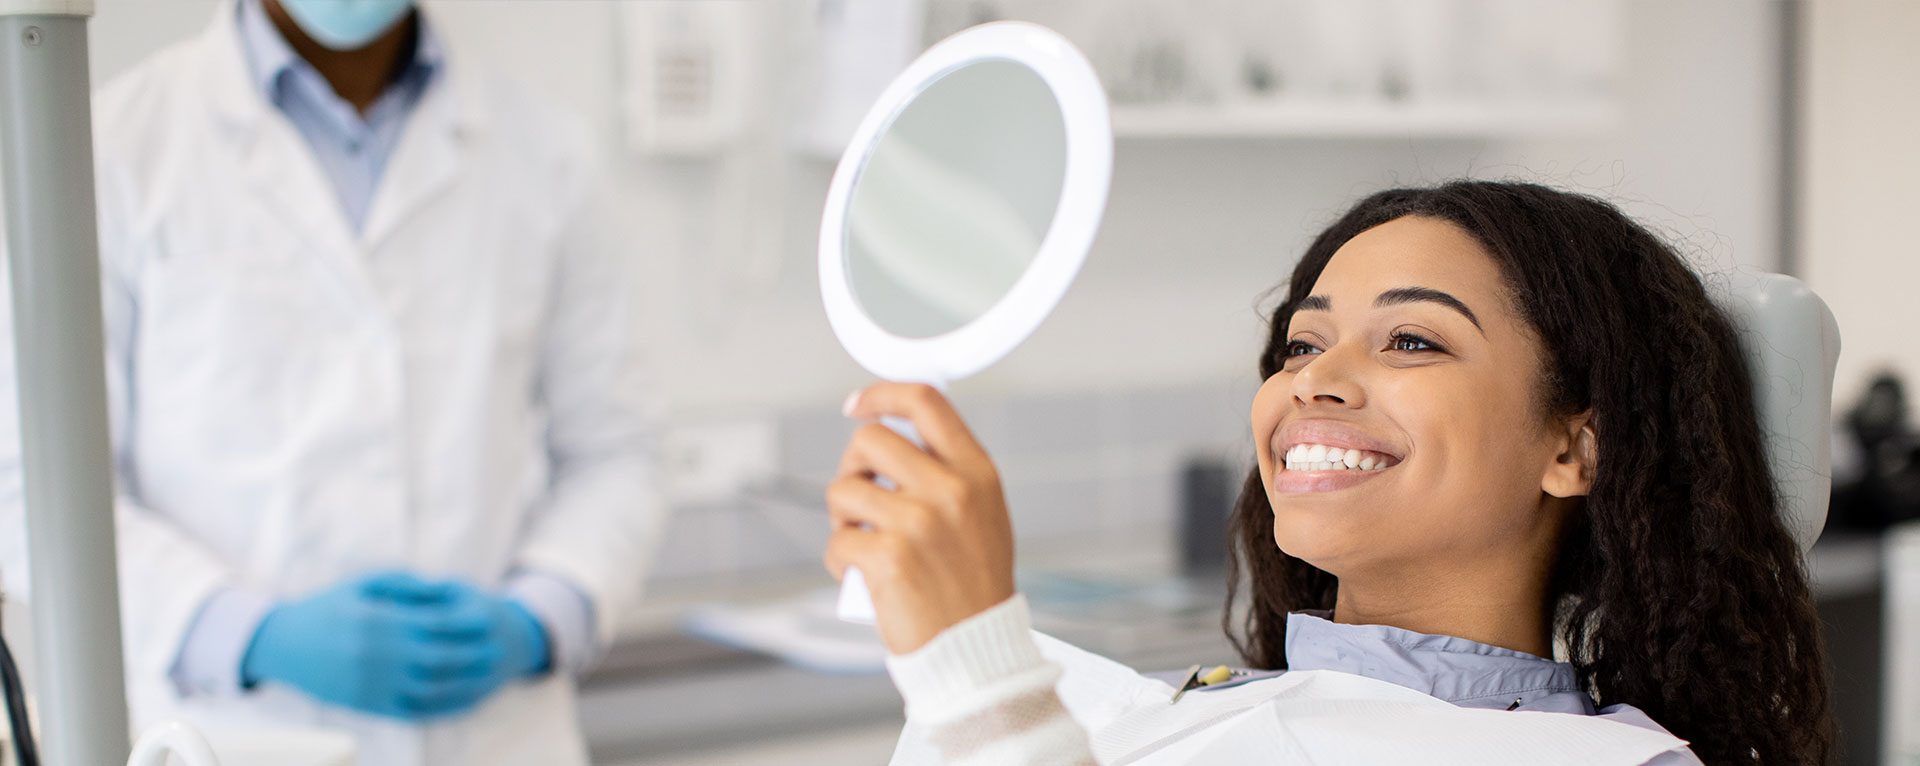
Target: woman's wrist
x,y
975,656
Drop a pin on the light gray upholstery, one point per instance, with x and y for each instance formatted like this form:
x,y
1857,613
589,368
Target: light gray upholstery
x,y
1792,344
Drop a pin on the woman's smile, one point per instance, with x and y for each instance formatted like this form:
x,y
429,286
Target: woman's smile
x,y
1325,455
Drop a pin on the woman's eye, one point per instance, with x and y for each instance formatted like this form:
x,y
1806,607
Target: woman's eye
x,y
1300,348
1406,341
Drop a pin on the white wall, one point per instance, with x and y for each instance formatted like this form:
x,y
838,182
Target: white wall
x,y
1698,152
1196,230
1861,114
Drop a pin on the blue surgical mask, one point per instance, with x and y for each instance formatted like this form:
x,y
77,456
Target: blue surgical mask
x,y
346,25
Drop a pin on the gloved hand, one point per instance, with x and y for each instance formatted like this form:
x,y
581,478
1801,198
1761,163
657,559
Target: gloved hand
x,y
507,640
390,644
517,642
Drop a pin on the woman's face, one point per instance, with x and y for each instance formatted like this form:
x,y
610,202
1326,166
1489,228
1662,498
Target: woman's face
x,y
1409,367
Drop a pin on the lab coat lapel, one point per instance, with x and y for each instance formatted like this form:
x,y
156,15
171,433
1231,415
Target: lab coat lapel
x,y
279,167
282,170
428,158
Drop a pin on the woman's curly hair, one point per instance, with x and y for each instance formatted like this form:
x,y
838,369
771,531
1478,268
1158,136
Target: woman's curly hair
x,y
1677,587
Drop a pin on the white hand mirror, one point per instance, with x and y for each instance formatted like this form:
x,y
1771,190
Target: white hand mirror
x,y
962,210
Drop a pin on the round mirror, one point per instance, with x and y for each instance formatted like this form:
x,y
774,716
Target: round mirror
x,y
965,203
950,206
962,209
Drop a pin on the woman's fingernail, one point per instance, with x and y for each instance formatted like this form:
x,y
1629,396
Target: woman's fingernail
x,y
853,400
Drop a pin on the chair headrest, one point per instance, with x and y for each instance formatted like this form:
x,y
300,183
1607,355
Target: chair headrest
x,y
1792,343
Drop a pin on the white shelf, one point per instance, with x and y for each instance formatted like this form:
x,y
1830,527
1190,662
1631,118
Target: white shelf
x,y
1364,120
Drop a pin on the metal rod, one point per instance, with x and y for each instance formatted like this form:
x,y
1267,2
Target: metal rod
x,y
46,157
1792,15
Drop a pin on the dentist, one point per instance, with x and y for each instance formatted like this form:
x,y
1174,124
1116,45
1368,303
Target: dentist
x,y
381,452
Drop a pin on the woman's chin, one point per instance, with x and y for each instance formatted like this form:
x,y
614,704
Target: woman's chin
x,y
1325,533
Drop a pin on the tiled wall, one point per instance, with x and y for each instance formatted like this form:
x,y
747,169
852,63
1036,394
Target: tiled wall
x,y
1104,462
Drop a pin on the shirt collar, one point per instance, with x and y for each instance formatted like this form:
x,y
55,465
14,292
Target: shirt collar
x,y
270,58
1465,673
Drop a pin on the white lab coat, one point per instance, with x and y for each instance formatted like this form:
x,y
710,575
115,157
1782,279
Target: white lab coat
x,y
452,390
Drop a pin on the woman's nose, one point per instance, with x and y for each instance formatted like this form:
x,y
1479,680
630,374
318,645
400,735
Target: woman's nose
x,y
1331,378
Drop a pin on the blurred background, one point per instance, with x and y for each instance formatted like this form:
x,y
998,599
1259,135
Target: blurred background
x,y
1771,135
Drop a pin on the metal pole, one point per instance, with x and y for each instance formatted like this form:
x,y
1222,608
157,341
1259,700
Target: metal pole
x,y
1792,22
46,155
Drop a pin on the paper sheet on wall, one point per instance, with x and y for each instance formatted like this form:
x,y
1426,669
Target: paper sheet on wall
x,y
1310,717
859,46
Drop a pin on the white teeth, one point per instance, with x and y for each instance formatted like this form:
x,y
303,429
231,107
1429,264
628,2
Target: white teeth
x,y
1320,457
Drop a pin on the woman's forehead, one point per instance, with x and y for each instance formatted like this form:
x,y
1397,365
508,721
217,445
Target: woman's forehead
x,y
1412,252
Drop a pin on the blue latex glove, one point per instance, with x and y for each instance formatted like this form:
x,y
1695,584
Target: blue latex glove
x,y
390,644
518,642
513,643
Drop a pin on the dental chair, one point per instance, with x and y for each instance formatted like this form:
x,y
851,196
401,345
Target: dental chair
x,y
1792,344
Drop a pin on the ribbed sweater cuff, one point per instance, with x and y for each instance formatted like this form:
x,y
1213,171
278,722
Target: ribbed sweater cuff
x,y
965,660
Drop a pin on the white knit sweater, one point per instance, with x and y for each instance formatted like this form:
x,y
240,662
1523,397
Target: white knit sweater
x,y
985,695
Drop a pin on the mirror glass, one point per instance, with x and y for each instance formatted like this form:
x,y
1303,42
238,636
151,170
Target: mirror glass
x,y
953,201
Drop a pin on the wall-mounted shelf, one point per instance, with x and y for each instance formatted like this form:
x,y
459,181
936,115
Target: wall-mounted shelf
x,y
1363,120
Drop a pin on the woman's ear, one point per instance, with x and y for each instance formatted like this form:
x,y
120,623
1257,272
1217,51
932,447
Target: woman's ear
x,y
1571,472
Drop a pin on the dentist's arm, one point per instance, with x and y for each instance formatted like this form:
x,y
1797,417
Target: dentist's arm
x,y
937,553
593,535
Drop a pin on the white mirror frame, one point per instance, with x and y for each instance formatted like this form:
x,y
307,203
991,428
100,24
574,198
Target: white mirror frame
x,y
1083,198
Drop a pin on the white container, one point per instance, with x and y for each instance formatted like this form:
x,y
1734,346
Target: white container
x,y
177,744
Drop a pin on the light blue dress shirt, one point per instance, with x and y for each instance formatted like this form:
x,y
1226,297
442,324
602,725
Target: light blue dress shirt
x,y
352,149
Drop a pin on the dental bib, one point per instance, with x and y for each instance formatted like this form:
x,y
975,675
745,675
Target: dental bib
x,y
1309,717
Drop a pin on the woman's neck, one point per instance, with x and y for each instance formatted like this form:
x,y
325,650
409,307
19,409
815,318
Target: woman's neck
x,y
1508,611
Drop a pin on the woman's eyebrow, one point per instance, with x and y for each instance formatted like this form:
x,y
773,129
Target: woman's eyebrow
x,y
1400,295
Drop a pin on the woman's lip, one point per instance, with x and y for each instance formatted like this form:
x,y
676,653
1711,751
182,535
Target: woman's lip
x,y
1332,434
1287,482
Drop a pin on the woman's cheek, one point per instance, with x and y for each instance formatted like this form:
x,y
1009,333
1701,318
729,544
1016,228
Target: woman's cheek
x,y
1268,404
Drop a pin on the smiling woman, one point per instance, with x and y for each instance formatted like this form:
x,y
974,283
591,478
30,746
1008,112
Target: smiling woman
x,y
1479,479
1572,439
1496,419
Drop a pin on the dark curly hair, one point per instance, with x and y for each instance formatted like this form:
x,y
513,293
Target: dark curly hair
x,y
1677,587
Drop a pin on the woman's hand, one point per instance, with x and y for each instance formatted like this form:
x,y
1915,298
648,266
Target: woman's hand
x,y
938,547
